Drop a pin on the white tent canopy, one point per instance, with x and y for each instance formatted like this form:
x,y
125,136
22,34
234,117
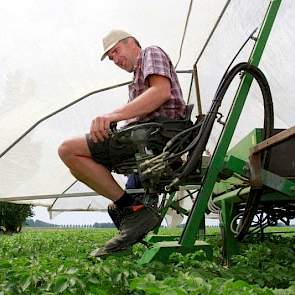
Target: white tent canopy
x,y
49,55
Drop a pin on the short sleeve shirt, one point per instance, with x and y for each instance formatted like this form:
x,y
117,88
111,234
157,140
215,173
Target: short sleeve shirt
x,y
154,61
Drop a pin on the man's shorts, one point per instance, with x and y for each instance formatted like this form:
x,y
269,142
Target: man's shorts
x,y
112,152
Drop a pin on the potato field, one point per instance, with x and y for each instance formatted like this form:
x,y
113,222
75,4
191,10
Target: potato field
x,y
55,261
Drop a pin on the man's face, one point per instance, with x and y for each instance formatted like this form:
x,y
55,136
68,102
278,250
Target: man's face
x,y
121,55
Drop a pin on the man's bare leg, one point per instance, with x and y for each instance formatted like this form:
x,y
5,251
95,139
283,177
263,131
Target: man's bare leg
x,y
76,156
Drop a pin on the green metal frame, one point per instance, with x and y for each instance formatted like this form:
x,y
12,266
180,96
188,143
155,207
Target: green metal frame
x,y
282,189
188,241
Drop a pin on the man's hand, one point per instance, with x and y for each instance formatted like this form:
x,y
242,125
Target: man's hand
x,y
100,126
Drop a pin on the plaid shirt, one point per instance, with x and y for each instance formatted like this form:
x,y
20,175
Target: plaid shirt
x,y
153,60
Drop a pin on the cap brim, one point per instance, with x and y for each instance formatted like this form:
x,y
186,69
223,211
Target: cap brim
x,y
103,56
107,50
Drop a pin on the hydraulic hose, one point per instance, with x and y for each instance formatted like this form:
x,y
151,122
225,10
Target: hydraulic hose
x,y
209,120
255,193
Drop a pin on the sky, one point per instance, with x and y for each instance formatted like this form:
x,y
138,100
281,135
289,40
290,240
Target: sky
x,y
41,213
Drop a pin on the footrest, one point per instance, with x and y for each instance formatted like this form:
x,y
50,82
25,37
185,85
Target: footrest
x,y
162,250
151,239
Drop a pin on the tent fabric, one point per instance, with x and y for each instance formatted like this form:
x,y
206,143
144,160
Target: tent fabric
x,y
50,57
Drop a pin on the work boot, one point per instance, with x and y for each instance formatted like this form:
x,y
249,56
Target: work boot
x,y
116,213
135,225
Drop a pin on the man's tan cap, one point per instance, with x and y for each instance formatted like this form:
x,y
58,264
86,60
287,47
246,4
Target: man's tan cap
x,y
111,39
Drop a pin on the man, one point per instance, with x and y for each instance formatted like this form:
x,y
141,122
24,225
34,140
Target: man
x,y
154,94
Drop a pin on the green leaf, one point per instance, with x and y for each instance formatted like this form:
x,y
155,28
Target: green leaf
x,y
71,271
61,284
26,283
93,280
4,264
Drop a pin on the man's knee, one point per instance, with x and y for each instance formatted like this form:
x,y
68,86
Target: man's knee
x,y
65,149
73,147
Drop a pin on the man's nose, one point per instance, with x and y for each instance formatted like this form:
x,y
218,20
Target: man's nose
x,y
115,59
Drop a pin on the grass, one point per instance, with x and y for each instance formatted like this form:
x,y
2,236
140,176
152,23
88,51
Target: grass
x,y
55,261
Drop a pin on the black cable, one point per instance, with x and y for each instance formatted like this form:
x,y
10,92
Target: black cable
x,y
255,193
205,131
180,135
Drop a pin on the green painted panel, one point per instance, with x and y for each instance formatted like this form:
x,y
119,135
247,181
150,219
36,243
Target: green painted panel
x,y
242,148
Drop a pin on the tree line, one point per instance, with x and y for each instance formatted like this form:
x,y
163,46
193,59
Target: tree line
x,y
39,223
14,216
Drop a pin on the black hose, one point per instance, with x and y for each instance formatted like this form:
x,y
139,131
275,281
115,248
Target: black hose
x,y
203,136
255,193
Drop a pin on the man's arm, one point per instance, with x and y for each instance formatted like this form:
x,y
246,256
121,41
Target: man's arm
x,y
156,95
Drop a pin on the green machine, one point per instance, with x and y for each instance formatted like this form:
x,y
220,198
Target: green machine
x,y
260,192
247,182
